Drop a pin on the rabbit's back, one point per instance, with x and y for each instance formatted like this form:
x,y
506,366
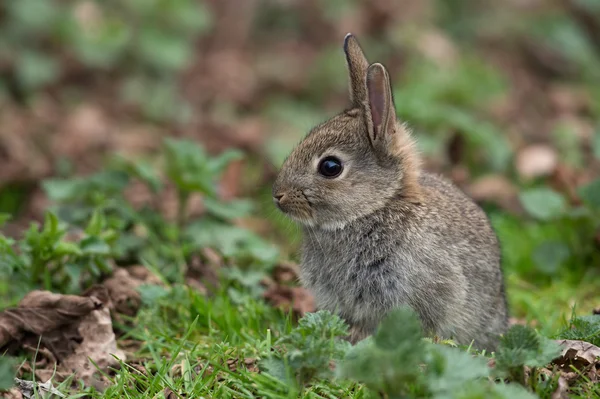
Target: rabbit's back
x,y
439,256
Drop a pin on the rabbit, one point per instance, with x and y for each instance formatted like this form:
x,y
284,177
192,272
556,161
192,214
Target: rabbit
x,y
379,232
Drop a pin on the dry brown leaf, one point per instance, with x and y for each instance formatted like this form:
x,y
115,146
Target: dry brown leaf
x,y
203,270
73,330
42,311
286,272
497,189
536,160
579,354
437,47
33,389
122,288
13,393
98,345
568,100
169,394
298,299
561,391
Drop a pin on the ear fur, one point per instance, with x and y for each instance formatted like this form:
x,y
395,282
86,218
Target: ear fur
x,y
381,115
357,70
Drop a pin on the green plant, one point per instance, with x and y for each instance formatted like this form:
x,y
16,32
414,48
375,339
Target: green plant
x,y
307,351
48,258
585,328
521,346
146,42
397,361
144,234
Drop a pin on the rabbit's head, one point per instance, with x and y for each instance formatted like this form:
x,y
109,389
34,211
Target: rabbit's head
x,y
354,163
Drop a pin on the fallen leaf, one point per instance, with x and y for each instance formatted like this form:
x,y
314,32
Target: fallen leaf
x,y
249,363
98,345
496,189
28,389
561,389
122,288
437,47
13,393
536,160
568,100
43,311
579,354
72,332
169,394
286,272
298,299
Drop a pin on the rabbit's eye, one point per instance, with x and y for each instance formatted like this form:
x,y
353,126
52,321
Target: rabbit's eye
x,y
330,167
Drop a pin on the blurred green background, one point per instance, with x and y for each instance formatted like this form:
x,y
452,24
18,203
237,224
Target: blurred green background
x,y
504,99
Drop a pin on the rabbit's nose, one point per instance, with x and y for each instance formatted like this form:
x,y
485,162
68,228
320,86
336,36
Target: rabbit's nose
x,y
277,198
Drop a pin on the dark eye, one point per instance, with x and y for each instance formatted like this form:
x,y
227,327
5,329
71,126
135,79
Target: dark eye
x,y
330,167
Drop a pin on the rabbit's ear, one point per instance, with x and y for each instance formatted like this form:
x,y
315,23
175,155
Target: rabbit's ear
x,y
381,113
357,69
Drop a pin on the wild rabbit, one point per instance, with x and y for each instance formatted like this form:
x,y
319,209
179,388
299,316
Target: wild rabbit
x,y
379,232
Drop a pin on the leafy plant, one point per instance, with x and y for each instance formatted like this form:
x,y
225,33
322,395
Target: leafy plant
x,y
397,361
7,372
49,259
146,42
143,233
307,351
521,346
585,328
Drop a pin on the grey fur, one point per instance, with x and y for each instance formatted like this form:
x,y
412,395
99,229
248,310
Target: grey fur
x,y
384,233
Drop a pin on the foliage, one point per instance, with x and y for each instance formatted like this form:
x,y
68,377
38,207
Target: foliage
x,y
307,351
7,372
95,208
398,362
47,258
521,346
585,328
147,42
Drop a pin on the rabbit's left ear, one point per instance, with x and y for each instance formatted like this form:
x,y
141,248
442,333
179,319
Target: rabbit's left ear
x,y
380,112
357,70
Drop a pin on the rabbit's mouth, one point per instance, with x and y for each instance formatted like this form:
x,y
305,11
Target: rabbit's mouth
x,y
296,206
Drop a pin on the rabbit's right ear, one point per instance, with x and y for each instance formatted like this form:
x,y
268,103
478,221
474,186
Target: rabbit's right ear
x,y
357,70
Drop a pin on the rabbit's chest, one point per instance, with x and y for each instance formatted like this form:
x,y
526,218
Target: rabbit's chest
x,y
359,277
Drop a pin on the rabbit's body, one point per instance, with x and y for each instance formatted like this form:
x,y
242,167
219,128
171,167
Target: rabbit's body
x,y
379,232
447,269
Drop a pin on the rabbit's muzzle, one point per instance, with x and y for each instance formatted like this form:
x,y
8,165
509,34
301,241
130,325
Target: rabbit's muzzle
x,y
294,204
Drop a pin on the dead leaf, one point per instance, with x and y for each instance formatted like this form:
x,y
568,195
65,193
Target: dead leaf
x,y
73,330
536,160
298,299
169,394
249,363
122,288
42,311
437,47
286,272
568,100
579,354
98,345
561,391
203,269
28,389
497,189
13,393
